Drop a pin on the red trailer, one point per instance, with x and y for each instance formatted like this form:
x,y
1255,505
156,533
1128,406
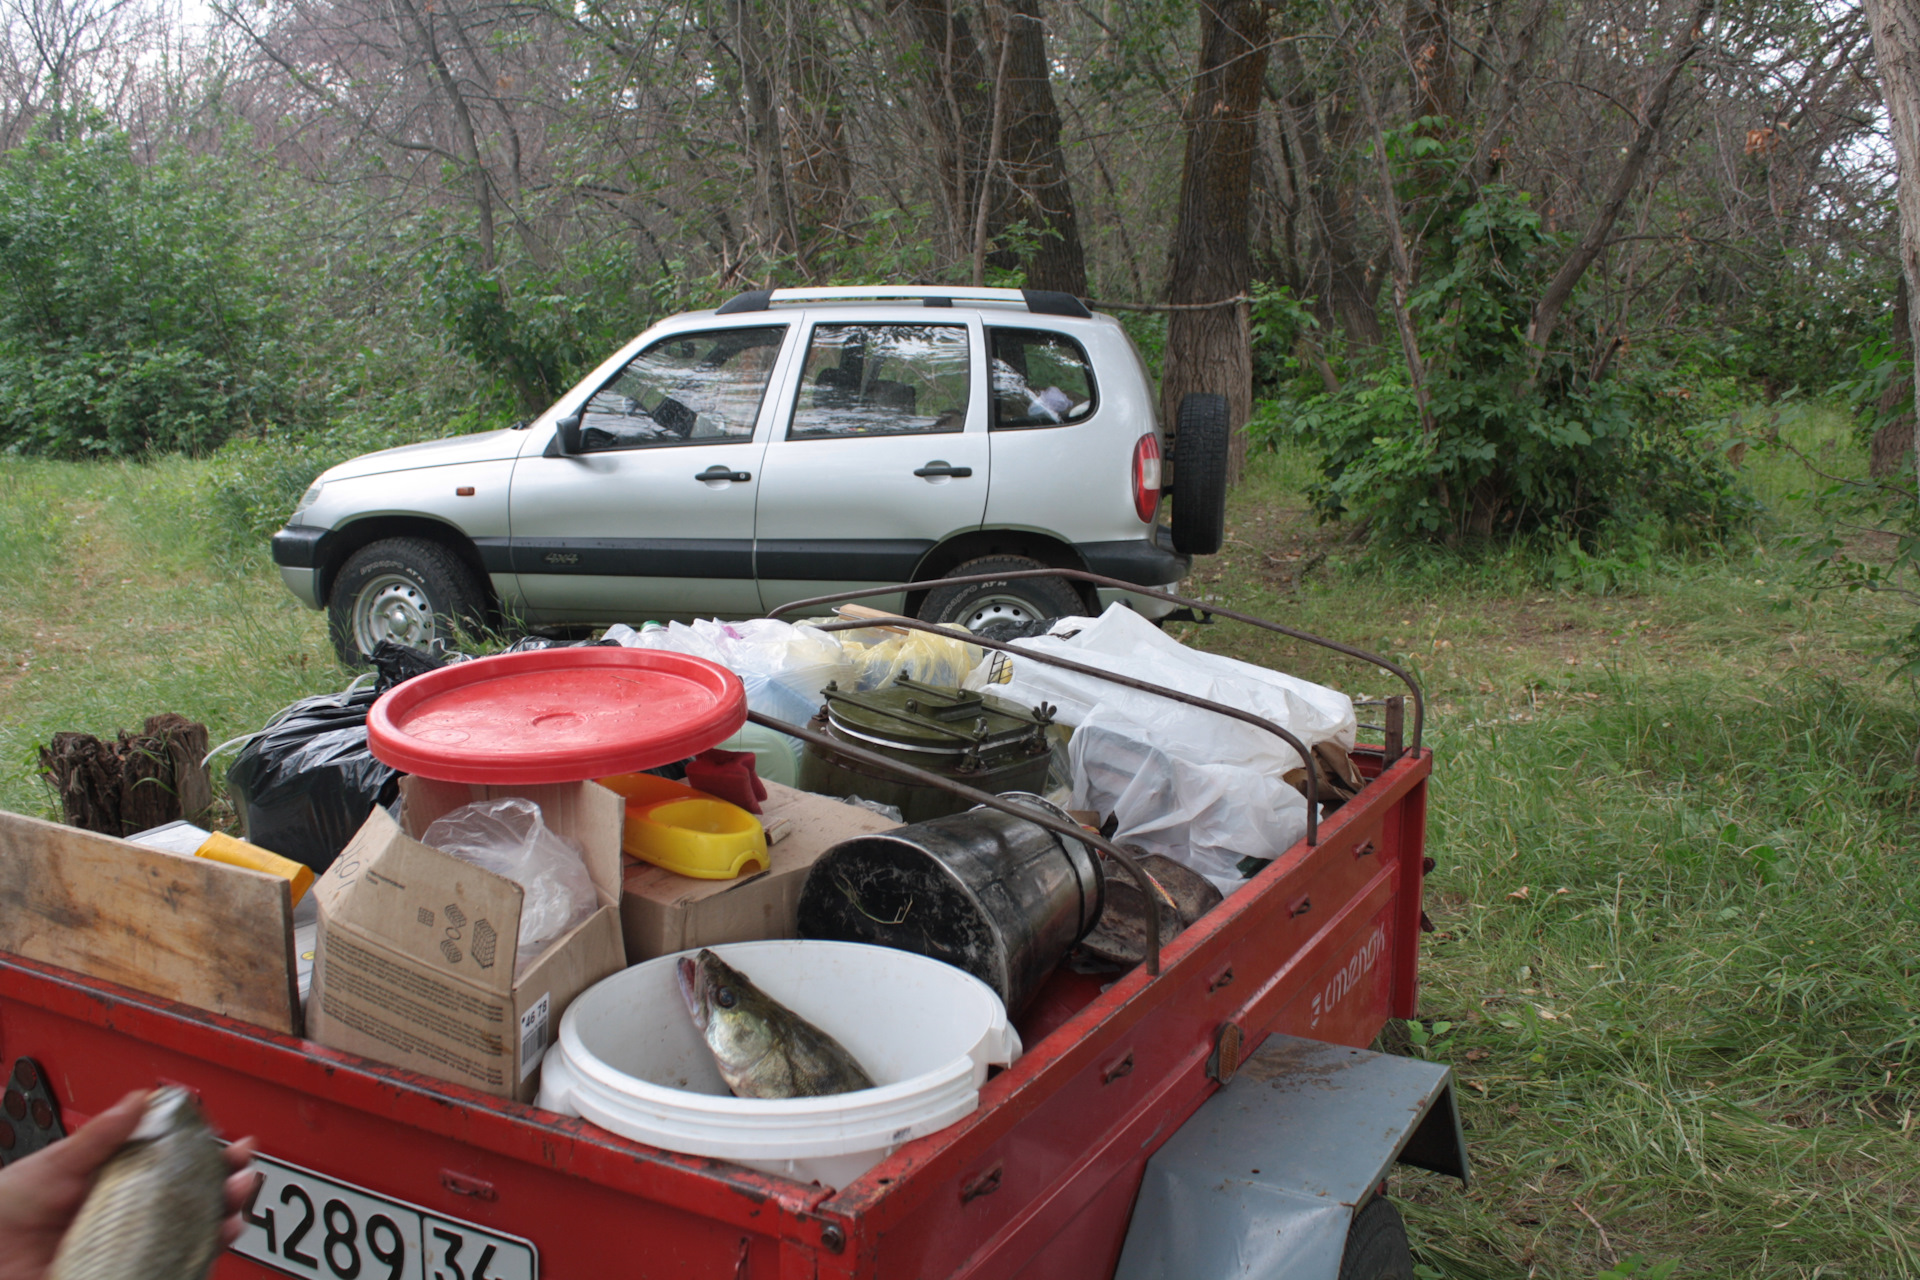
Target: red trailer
x,y
376,1173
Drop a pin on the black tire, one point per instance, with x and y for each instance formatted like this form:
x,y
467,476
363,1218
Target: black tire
x,y
1377,1244
406,589
1200,474
987,607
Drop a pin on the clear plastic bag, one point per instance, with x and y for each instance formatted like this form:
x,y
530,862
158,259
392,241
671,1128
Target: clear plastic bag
x,y
783,666
509,838
873,806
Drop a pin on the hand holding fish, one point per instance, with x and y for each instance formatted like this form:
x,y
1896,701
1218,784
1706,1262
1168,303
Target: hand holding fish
x,y
41,1195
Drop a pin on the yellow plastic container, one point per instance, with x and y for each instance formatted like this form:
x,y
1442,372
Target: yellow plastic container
x,y
642,789
686,831
238,853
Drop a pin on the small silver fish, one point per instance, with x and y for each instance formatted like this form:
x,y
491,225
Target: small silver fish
x,y
155,1209
765,1050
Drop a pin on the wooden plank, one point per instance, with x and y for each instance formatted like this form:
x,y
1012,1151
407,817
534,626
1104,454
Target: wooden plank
x,y
203,933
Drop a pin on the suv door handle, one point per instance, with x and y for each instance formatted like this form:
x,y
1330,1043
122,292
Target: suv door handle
x,y
939,468
718,472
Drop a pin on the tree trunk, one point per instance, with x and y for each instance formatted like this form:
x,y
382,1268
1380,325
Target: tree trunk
x,y
955,87
996,138
1894,436
463,131
763,130
1653,114
1210,261
1896,47
1428,40
1402,260
822,171
1341,275
1034,162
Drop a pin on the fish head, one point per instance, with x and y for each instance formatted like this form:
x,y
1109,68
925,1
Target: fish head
x,y
740,1022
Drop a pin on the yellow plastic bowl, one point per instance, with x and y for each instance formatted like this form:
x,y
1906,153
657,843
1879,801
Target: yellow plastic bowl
x,y
688,832
642,789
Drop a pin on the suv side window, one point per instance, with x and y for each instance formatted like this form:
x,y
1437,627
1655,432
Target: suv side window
x,y
692,388
882,380
1040,379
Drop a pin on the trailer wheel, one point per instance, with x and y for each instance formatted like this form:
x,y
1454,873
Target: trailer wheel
x,y
1377,1246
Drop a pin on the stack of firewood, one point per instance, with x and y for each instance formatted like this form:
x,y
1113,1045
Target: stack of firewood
x,y
142,780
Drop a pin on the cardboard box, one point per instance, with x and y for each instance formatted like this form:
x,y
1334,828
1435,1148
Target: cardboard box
x,y
415,964
661,912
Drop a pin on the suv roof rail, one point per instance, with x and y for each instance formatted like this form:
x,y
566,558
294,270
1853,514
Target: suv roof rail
x,y
1041,302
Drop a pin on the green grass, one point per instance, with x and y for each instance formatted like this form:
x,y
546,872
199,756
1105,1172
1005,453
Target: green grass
x,y
1675,814
1677,901
115,605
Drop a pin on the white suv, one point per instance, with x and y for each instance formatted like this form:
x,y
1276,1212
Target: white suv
x,y
793,442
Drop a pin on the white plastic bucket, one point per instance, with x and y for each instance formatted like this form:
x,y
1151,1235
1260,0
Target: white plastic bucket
x,y
630,1059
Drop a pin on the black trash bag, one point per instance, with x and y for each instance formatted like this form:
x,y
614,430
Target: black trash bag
x,y
306,782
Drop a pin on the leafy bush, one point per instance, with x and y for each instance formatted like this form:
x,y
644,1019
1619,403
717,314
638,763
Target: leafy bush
x,y
1567,449
132,319
1837,557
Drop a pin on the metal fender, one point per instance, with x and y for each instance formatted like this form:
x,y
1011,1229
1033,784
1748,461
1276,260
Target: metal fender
x,y
1263,1181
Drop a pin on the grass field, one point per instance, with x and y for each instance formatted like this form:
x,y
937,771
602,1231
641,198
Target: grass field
x,y
1675,815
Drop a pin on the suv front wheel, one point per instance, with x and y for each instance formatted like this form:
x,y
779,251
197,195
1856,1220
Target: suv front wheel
x,y
407,590
999,609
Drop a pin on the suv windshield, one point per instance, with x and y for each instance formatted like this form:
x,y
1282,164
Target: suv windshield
x,y
691,388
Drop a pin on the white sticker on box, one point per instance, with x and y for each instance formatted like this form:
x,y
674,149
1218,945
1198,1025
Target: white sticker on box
x,y
533,1036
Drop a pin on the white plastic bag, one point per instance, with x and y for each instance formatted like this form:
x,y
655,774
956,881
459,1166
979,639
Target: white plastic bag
x,y
508,838
1206,814
1201,788
1123,642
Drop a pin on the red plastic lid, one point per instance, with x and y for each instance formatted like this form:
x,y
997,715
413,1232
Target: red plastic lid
x,y
556,715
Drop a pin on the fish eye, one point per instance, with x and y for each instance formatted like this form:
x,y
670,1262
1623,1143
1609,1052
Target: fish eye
x,y
724,997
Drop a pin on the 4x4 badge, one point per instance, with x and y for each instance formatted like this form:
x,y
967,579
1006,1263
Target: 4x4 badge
x,y
562,557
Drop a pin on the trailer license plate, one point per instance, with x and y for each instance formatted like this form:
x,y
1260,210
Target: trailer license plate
x,y
305,1224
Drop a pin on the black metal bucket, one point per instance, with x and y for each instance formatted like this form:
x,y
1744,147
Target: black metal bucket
x,y
982,890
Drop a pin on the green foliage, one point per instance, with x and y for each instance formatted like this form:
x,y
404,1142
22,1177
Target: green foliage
x,y
1796,320
1885,561
132,318
533,338
1566,448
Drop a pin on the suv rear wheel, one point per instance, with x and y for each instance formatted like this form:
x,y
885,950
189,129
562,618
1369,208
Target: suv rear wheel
x,y
408,590
987,608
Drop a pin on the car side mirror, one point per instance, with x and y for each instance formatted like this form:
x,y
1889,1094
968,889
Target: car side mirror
x,y
566,433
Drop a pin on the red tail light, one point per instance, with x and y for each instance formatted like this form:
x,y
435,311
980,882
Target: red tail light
x,y
1146,476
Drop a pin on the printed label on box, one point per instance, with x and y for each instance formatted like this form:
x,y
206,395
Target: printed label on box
x,y
533,1037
